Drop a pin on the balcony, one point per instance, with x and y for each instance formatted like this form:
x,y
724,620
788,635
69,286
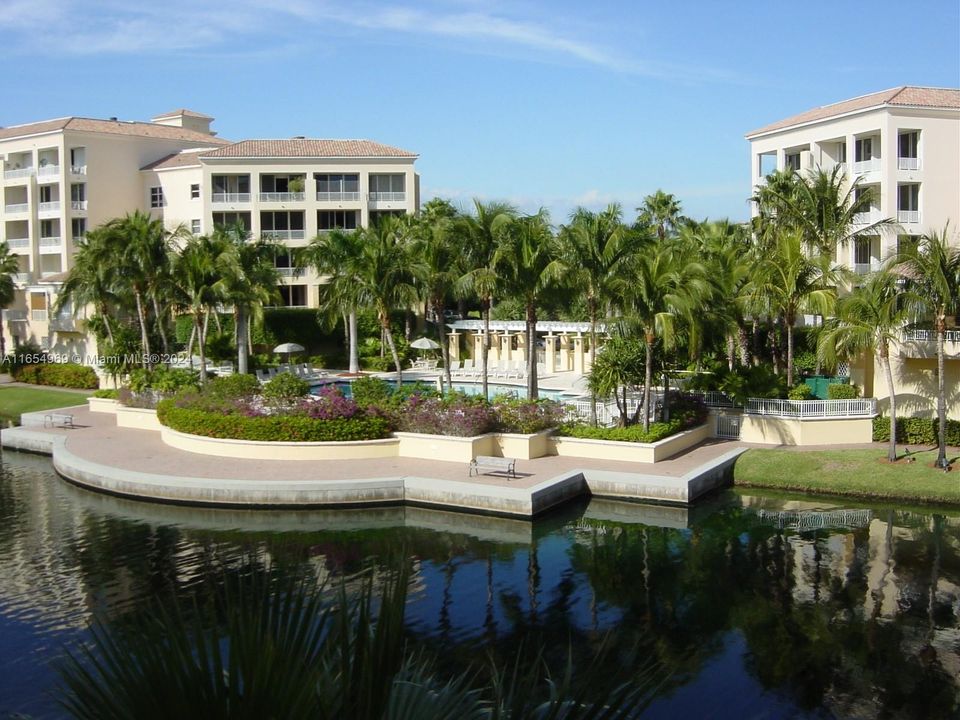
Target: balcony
x,y
78,170
51,243
22,278
16,208
866,218
18,243
50,207
338,197
284,234
387,197
278,197
862,167
63,323
18,173
78,205
908,163
907,217
290,272
38,315
920,343
229,198
14,315
861,407
868,267
48,173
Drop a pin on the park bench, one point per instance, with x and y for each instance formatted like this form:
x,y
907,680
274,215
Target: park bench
x,y
493,464
64,420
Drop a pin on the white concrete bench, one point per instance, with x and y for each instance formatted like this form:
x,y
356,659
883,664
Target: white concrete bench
x,y
64,420
493,464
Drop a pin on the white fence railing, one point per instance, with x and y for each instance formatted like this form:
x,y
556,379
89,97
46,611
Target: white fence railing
x,y
908,216
53,206
51,241
866,218
929,336
284,234
78,169
713,398
18,243
78,204
282,196
13,315
17,173
220,198
728,426
388,196
908,163
865,166
338,196
860,407
14,208
48,170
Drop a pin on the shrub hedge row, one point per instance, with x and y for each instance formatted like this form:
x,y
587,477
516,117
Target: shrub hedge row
x,y
270,428
631,433
842,391
71,375
916,431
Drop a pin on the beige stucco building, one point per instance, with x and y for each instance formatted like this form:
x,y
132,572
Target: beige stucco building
x,y
903,145
62,177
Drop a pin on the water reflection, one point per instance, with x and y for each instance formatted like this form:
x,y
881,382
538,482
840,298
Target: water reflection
x,y
759,605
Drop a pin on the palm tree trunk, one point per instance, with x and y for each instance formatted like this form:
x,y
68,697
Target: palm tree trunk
x,y
647,379
731,352
3,343
888,372
941,398
354,350
744,344
240,330
106,323
161,322
193,337
592,302
444,349
203,357
385,325
533,392
789,325
485,349
144,337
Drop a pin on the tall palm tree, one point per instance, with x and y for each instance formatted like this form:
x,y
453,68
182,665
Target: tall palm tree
x,y
595,250
197,270
526,265
867,322
482,232
789,282
662,211
8,268
662,287
249,280
932,268
94,279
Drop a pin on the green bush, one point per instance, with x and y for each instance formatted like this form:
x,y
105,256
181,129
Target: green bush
x,y
163,380
70,375
804,363
107,394
371,392
234,386
632,433
377,363
285,388
842,391
916,431
800,392
270,428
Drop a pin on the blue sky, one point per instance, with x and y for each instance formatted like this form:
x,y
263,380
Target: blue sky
x,y
552,104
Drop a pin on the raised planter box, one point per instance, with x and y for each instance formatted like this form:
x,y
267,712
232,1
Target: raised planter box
x,y
630,451
523,446
769,430
269,450
137,418
444,447
103,405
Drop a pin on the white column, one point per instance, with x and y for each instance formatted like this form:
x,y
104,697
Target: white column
x,y
550,353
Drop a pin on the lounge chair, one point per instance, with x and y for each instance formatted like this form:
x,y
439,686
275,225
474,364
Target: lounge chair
x,y
455,367
467,369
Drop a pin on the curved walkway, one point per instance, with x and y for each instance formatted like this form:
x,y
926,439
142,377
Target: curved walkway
x,y
136,463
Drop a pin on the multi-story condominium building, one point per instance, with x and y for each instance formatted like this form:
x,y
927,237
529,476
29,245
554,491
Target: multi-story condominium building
x,y
903,146
63,177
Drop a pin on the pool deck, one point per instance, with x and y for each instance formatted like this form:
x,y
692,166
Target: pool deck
x,y
136,463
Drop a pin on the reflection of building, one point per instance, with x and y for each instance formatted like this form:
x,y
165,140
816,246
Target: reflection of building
x,y
63,177
903,147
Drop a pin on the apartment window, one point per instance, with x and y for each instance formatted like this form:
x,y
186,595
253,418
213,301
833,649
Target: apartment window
x,y
294,295
908,199
78,157
195,191
377,215
229,219
907,243
46,193
864,149
909,142
195,227
342,219
841,152
792,161
49,228
861,251
387,183
766,163
78,228
348,183
156,197
231,184
78,192
281,221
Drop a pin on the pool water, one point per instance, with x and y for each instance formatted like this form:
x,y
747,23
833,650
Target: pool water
x,y
493,389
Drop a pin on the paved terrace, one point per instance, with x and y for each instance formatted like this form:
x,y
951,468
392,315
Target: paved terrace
x,y
98,454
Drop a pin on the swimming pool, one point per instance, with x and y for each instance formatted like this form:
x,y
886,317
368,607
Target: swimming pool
x,y
468,388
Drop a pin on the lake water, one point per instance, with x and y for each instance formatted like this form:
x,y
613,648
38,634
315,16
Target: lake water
x,y
755,605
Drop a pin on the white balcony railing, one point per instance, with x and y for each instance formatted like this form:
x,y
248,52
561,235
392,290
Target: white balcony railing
x,y
63,323
38,315
908,216
13,243
908,163
864,166
866,218
713,398
284,234
23,277
867,267
17,173
14,315
48,170
289,272
78,204
861,407
282,196
78,169
930,336
388,197
50,241
338,197
16,208
53,206
220,198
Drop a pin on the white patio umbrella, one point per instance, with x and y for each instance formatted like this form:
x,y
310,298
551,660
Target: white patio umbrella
x,y
425,343
288,349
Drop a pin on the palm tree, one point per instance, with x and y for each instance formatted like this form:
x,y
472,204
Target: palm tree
x,y
526,266
482,232
9,267
661,287
595,249
932,268
866,322
662,211
788,282
94,279
249,280
197,270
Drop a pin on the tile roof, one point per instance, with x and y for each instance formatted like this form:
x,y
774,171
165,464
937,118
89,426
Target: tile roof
x,y
309,148
905,95
177,160
182,111
111,127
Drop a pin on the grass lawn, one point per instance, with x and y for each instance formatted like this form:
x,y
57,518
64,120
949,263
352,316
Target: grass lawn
x,y
858,473
16,400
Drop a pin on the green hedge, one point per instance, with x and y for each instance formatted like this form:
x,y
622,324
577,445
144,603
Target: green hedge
x,y
271,428
631,433
107,394
70,375
842,391
800,392
916,431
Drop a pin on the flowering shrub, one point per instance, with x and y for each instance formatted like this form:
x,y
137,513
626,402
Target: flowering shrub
x,y
526,416
329,404
285,389
455,415
234,386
